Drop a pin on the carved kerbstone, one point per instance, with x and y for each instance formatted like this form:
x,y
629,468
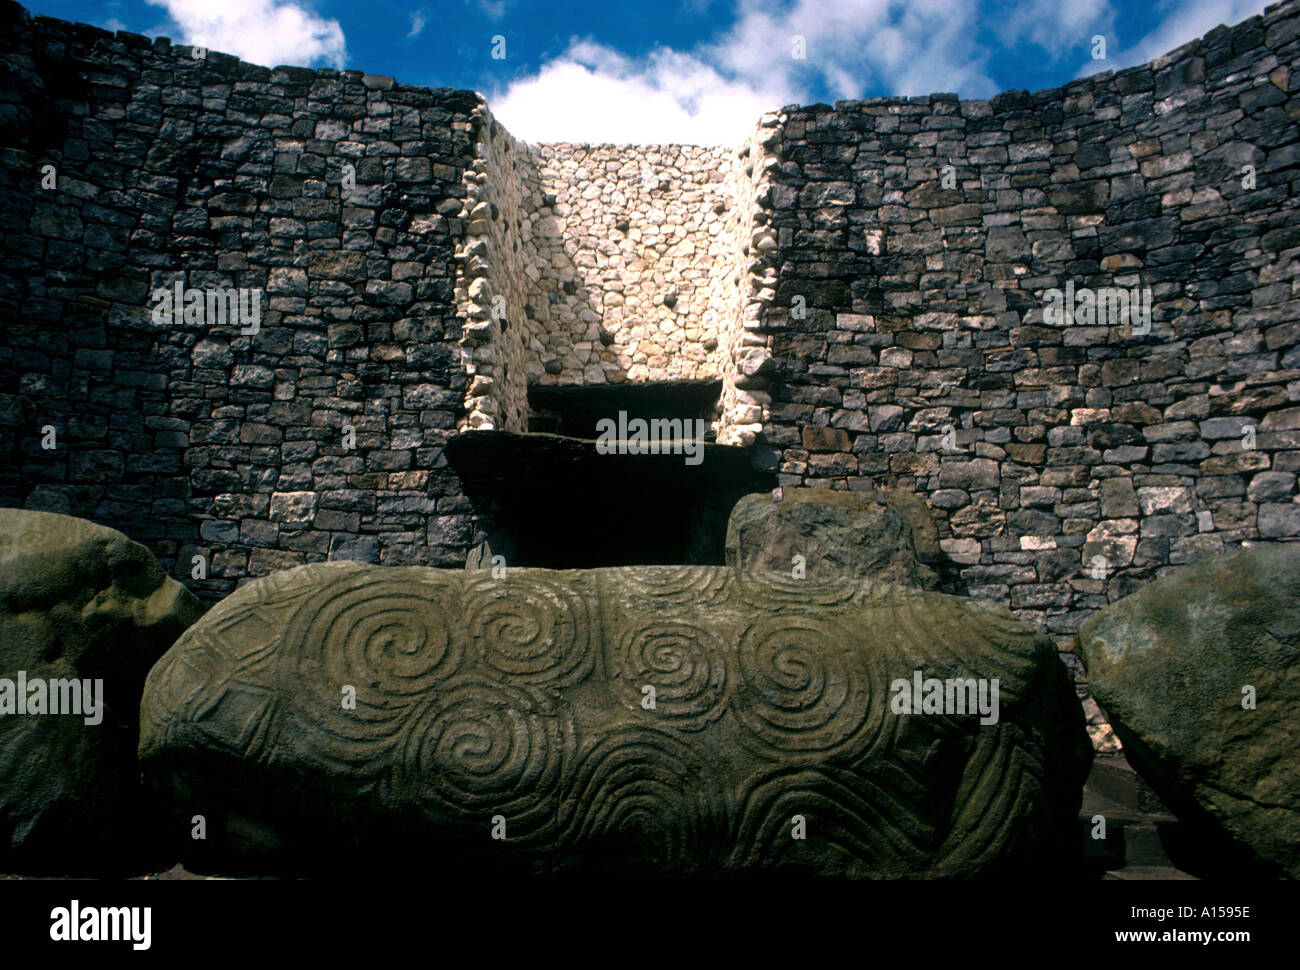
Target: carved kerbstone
x,y
674,718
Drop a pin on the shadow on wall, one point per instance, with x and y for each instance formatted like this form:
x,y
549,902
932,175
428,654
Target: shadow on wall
x,y
567,292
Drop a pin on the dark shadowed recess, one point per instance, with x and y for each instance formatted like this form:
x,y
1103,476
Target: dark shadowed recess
x,y
559,503
575,410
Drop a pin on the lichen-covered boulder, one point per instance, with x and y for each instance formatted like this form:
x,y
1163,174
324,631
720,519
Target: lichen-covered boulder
x,y
684,719
84,613
834,534
1199,674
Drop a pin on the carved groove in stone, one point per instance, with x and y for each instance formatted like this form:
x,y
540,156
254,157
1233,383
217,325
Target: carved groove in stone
x,y
521,697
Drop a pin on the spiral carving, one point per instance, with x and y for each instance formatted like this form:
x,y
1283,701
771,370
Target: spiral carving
x,y
392,641
478,747
529,628
684,663
522,697
674,585
770,591
392,637
853,821
801,691
643,794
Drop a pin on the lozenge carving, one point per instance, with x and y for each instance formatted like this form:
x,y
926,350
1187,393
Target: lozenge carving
x,y
675,718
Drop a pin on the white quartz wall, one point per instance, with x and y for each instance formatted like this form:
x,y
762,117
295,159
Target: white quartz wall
x,y
604,264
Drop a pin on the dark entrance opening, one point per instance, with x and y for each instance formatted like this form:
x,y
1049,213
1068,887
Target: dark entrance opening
x,y
576,411
560,502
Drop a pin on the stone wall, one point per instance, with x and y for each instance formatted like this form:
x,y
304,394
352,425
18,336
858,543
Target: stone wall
x,y
877,319
640,230
317,436
1066,463
749,278
608,264
497,271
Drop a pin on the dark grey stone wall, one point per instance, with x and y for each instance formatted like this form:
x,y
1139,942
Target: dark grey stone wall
x,y
1084,460
199,439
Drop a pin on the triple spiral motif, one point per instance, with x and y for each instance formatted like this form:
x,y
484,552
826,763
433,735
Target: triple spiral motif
x,y
526,697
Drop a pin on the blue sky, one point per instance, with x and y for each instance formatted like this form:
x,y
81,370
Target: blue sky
x,y
698,71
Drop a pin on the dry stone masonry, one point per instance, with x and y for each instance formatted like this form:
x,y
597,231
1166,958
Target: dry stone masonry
x,y
1068,321
612,264
334,194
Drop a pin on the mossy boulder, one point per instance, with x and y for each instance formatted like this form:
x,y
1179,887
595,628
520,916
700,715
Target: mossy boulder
x,y
1199,675
834,534
84,613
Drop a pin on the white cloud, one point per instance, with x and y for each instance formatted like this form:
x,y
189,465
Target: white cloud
x,y
715,93
267,32
1057,27
595,94
418,21
493,9
906,46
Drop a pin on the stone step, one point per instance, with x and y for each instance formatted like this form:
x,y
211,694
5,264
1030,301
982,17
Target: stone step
x,y
1095,804
1124,845
1143,846
1133,838
1113,777
1100,855
1148,874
